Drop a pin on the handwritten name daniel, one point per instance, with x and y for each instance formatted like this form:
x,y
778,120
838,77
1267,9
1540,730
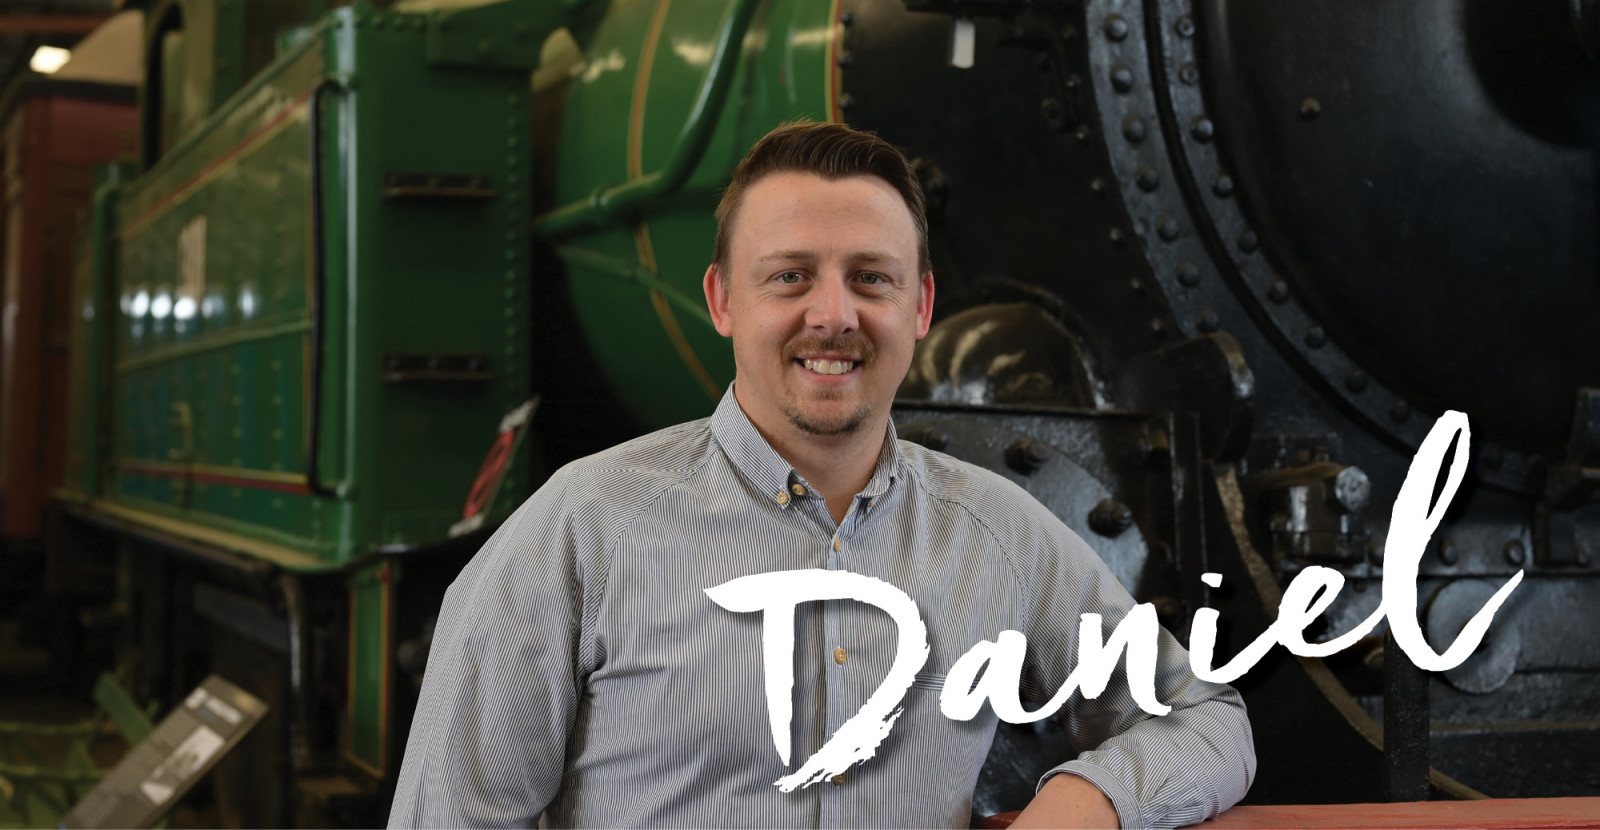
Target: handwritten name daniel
x,y
1312,591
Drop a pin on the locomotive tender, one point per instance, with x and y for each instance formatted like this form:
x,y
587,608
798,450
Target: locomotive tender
x,y
1208,270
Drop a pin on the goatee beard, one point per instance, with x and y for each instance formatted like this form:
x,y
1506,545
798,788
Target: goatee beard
x,y
848,426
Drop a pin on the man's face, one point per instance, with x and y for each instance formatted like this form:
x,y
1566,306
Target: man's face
x,y
823,301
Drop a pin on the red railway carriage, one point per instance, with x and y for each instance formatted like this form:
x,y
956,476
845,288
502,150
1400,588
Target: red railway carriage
x,y
52,135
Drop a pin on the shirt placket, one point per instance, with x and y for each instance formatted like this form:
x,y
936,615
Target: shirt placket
x,y
837,801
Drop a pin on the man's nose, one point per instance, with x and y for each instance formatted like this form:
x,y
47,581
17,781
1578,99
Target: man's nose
x,y
833,307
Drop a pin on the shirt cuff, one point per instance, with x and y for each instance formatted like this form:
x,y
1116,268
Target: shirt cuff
x,y
1128,813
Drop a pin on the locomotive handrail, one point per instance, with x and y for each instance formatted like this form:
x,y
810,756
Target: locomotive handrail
x,y
318,283
608,202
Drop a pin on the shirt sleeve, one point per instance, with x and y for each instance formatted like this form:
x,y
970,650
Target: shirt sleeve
x,y
1159,771
489,740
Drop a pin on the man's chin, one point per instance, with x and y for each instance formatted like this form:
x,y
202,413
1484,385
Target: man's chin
x,y
828,424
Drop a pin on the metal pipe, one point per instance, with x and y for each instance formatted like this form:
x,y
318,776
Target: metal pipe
x,y
294,610
607,203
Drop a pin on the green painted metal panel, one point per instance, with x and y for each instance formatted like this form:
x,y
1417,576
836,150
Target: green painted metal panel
x,y
368,709
636,282
216,339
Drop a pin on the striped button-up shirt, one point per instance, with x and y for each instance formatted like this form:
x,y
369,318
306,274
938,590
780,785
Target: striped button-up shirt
x,y
578,664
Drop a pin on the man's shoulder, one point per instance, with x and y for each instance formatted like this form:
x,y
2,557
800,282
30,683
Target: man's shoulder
x,y
661,458
988,495
1018,523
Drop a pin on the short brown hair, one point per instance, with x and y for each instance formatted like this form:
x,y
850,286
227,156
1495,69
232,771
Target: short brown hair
x,y
832,151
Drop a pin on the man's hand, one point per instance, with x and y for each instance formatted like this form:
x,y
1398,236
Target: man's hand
x,y
1067,800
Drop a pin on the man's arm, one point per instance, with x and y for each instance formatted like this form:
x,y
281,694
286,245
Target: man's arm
x,y
1169,770
488,744
1068,801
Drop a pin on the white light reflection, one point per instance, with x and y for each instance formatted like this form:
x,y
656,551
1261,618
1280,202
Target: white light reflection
x,y
184,308
694,54
247,303
161,306
141,304
47,59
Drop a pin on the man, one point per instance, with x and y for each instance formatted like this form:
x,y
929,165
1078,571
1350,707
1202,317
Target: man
x,y
578,664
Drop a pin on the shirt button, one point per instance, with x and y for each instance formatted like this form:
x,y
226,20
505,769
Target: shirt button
x,y
839,656
798,490
838,779
837,545
783,498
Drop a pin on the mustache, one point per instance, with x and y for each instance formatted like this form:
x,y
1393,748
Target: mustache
x,y
858,347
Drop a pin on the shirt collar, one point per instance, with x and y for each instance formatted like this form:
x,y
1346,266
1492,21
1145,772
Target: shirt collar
x,y
759,463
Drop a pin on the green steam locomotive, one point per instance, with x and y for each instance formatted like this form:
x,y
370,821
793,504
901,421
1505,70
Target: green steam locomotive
x,y
366,244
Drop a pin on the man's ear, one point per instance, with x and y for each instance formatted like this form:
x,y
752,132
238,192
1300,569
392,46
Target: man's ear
x,y
717,301
925,305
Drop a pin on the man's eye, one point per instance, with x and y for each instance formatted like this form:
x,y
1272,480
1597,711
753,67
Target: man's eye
x,y
789,277
872,279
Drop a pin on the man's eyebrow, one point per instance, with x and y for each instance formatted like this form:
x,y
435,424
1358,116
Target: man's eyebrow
x,y
787,256
864,257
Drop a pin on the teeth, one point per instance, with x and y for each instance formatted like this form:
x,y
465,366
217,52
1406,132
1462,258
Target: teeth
x,y
830,367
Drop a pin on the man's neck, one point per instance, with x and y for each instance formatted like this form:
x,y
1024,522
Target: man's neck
x,y
836,466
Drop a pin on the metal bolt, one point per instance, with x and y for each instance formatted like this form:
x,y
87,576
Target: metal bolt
x,y
1316,338
1158,327
1053,114
846,101
1167,228
1248,242
1133,128
1207,321
1516,553
1278,291
1110,518
1069,33
1097,186
1202,129
1121,78
1399,411
1148,178
1352,489
1116,236
1189,74
1185,26
845,59
1189,274
847,18
927,436
1222,185
1310,108
1137,285
1026,455
1447,552
1082,134
1116,27
1073,82
1356,381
